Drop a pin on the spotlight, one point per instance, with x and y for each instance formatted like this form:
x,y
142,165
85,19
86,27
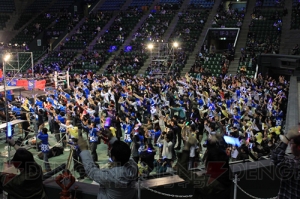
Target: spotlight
x,y
6,57
150,46
175,44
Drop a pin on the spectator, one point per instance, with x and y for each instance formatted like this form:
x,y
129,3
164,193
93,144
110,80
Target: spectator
x,y
288,166
118,181
28,184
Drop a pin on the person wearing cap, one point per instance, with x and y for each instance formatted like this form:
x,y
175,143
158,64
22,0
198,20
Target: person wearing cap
x,y
288,166
26,185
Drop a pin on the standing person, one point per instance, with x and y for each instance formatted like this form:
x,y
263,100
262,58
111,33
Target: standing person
x,y
28,184
217,187
288,167
43,136
25,125
137,141
127,131
93,140
118,127
167,151
61,119
77,121
119,180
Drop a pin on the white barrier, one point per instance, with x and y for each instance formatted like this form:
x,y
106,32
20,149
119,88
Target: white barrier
x,y
59,78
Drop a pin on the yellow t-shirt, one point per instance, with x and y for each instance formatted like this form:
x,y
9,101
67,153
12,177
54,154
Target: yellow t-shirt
x,y
113,131
73,131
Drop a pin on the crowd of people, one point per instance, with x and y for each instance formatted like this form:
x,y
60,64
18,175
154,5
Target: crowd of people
x,y
164,112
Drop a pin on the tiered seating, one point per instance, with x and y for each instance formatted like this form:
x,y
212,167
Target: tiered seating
x,y
31,31
295,23
140,3
88,31
37,6
118,31
59,56
23,19
188,29
110,5
126,62
201,4
209,64
3,20
63,23
263,37
232,18
61,5
273,3
247,64
34,8
7,6
153,28
170,4
91,61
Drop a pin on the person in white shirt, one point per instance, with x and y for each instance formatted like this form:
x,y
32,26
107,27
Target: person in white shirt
x,y
105,95
166,141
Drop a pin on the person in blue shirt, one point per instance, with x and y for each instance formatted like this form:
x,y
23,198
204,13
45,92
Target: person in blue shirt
x,y
39,103
93,140
155,133
43,136
127,126
62,119
96,120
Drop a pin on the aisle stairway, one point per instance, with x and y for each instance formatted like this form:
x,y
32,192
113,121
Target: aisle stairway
x,y
97,6
242,39
172,25
128,40
289,37
201,39
126,5
9,33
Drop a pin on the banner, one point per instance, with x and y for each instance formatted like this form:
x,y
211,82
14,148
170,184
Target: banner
x,y
23,83
40,84
13,82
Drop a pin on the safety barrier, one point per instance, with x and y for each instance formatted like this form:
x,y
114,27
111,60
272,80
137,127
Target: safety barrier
x,y
61,78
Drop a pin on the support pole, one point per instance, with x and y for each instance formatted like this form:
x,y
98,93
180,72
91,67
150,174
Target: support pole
x,y
139,188
68,80
235,186
6,108
55,80
32,72
70,158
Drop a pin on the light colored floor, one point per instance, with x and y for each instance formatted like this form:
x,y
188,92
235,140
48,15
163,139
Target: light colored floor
x,y
58,160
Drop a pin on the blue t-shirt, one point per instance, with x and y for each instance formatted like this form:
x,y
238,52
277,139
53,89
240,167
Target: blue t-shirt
x,y
93,137
45,143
